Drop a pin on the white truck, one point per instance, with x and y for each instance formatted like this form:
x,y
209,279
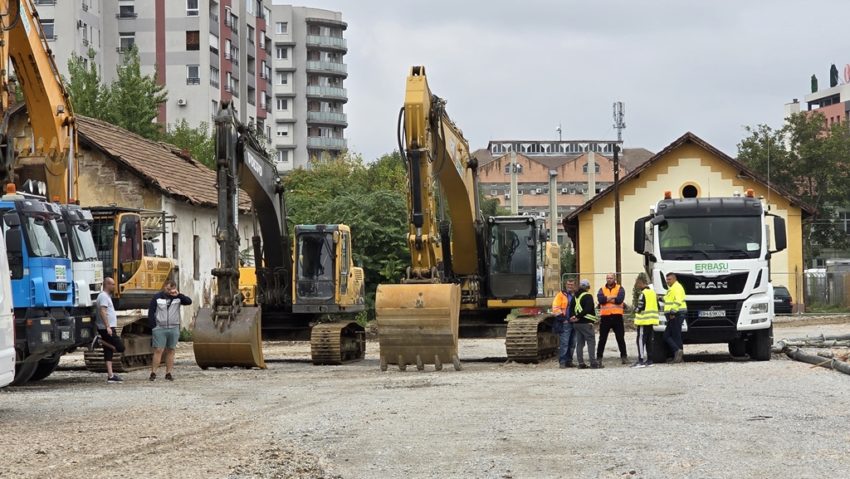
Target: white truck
x,y
7,320
719,249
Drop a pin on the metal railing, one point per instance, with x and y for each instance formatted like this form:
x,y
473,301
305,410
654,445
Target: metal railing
x,y
326,117
193,81
326,143
327,91
326,41
327,66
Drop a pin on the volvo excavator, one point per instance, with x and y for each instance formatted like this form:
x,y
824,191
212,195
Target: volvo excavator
x,y
291,297
467,274
47,155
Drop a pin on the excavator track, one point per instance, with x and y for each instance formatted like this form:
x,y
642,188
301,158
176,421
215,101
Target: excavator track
x,y
337,343
138,352
530,339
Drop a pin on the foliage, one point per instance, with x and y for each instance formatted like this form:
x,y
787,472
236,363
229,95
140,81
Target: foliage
x,y
811,161
568,260
635,290
85,87
197,141
185,334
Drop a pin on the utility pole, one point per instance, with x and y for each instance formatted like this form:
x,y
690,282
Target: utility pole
x,y
514,189
560,132
553,205
619,125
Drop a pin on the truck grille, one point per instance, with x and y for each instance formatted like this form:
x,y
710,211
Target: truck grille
x,y
731,310
728,284
58,286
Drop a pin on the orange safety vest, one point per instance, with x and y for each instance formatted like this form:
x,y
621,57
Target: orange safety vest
x,y
560,304
610,308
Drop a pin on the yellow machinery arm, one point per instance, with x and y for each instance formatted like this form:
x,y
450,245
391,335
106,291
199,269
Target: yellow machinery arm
x,y
54,142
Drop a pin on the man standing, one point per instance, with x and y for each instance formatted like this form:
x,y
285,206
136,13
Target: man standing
x,y
107,322
164,319
611,298
646,316
583,316
561,306
675,309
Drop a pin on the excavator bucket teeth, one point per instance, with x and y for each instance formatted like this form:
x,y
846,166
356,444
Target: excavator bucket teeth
x,y
338,342
418,324
228,341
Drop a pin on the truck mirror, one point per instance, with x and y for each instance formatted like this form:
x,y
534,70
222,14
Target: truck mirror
x,y
781,239
640,235
658,220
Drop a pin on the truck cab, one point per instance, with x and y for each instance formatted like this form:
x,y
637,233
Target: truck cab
x,y
719,250
75,229
42,284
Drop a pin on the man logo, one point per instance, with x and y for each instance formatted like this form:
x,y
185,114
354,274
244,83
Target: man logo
x,y
711,285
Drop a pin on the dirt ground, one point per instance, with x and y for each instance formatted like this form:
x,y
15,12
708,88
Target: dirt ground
x,y
710,417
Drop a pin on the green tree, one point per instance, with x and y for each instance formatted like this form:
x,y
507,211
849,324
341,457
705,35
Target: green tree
x,y
84,85
808,160
134,99
568,260
197,141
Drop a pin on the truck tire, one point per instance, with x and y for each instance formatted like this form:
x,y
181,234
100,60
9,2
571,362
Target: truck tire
x,y
762,341
45,368
659,348
23,372
738,348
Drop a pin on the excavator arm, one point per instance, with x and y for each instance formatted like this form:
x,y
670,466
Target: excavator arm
x,y
53,145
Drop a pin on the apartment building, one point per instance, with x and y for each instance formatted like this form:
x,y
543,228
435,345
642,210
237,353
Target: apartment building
x,y
280,66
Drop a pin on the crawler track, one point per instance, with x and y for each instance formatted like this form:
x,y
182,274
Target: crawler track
x,y
337,343
530,339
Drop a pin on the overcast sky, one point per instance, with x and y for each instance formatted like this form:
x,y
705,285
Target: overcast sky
x,y
512,70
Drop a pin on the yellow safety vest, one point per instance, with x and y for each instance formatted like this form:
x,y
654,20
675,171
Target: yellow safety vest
x,y
591,317
649,315
608,308
674,300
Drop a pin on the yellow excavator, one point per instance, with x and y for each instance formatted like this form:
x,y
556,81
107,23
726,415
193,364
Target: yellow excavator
x,y
467,273
292,298
47,154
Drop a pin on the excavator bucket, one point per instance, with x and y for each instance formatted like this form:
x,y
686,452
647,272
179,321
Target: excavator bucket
x,y
418,324
225,340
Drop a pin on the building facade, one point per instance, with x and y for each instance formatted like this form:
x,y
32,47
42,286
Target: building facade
x,y
280,66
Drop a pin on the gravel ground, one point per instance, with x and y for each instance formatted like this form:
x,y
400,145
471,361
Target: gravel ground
x,y
710,417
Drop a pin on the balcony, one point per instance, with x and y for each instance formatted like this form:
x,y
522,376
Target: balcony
x,y
327,117
329,92
322,41
193,81
325,143
126,15
328,67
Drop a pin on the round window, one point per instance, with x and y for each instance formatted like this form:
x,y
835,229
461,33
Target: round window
x,y
689,191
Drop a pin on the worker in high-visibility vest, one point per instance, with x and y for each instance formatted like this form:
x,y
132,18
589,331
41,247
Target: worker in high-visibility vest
x,y
561,306
611,297
675,309
646,316
583,316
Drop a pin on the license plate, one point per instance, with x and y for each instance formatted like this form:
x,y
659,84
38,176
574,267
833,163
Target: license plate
x,y
712,314
65,335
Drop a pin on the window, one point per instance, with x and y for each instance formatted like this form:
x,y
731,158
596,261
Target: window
x,y
584,168
281,28
193,75
193,40
47,28
214,76
282,78
126,41
127,11
175,241
282,155
282,104
281,53
196,257
250,31
283,130
192,8
249,6
214,43
214,106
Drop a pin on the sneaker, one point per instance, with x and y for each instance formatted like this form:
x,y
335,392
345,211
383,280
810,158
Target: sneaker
x,y
582,366
624,360
597,366
562,366
152,377
569,365
638,364
114,379
648,363
679,357
169,377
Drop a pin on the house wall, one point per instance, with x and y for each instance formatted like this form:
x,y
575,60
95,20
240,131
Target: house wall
x,y
687,164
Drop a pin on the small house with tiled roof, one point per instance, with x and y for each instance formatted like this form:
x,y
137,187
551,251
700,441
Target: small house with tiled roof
x,y
689,166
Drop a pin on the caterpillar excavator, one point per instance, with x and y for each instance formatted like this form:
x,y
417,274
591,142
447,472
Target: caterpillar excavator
x,y
467,273
46,154
290,298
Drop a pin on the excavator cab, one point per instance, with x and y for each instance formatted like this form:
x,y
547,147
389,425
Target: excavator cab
x,y
326,280
513,253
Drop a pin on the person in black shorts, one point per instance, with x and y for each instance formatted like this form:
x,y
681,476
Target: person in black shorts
x,y
107,322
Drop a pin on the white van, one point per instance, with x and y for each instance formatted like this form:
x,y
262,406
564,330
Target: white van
x,y
7,320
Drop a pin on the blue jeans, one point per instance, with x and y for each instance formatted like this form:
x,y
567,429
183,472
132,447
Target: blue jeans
x,y
673,331
567,344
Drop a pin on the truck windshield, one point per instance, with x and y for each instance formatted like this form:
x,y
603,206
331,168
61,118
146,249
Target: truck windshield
x,y
703,238
82,243
316,265
43,236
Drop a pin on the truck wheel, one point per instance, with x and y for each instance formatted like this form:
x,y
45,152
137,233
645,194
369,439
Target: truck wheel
x,y
762,341
738,348
45,368
659,348
23,372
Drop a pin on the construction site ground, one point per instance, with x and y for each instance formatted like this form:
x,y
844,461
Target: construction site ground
x,y
709,417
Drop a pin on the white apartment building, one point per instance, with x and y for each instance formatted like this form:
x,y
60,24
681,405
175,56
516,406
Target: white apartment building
x,y
281,66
